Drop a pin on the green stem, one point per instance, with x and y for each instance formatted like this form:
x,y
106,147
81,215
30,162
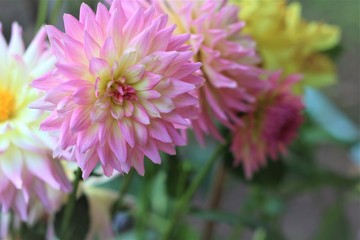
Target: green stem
x,y
41,14
182,205
55,12
123,189
69,208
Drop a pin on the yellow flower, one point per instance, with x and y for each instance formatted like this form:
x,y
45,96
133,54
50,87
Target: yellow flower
x,y
286,41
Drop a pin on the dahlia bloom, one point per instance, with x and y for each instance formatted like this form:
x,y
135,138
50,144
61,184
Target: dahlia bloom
x,y
228,57
287,41
121,89
270,127
27,169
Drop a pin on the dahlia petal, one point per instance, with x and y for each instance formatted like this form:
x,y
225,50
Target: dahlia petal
x,y
117,144
40,168
150,109
93,28
91,48
11,163
89,166
108,50
16,45
7,199
136,74
174,117
117,112
127,130
85,12
55,37
148,82
162,39
185,100
65,138
113,28
151,152
215,104
128,109
166,147
149,94
140,114
5,221
72,71
158,131
104,131
83,96
21,207
138,162
141,44
176,137
80,119
40,191
134,24
181,87
87,139
102,15
4,144
117,7
73,27
164,105
127,59
141,134
178,41
186,69
100,67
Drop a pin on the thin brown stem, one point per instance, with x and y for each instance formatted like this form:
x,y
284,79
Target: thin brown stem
x,y
215,199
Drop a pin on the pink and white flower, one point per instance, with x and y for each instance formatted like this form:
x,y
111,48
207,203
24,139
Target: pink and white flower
x,y
270,127
27,168
122,88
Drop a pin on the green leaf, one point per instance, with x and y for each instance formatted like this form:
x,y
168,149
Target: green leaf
x,y
36,231
331,119
80,221
177,178
334,225
334,52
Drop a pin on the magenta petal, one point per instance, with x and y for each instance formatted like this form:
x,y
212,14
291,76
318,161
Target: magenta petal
x,y
152,152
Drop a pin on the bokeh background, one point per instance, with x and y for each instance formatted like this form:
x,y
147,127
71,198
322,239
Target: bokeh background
x,y
307,214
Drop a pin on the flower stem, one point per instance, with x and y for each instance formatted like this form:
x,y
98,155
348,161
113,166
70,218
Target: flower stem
x,y
69,208
123,189
215,198
182,206
41,14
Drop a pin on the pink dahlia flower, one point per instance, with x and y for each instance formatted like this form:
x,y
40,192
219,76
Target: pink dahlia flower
x,y
122,88
228,57
270,127
27,168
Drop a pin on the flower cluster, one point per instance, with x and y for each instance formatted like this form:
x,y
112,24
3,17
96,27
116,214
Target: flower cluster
x,y
128,81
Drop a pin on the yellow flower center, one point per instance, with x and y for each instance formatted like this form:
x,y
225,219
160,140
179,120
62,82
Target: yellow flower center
x,y
7,104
